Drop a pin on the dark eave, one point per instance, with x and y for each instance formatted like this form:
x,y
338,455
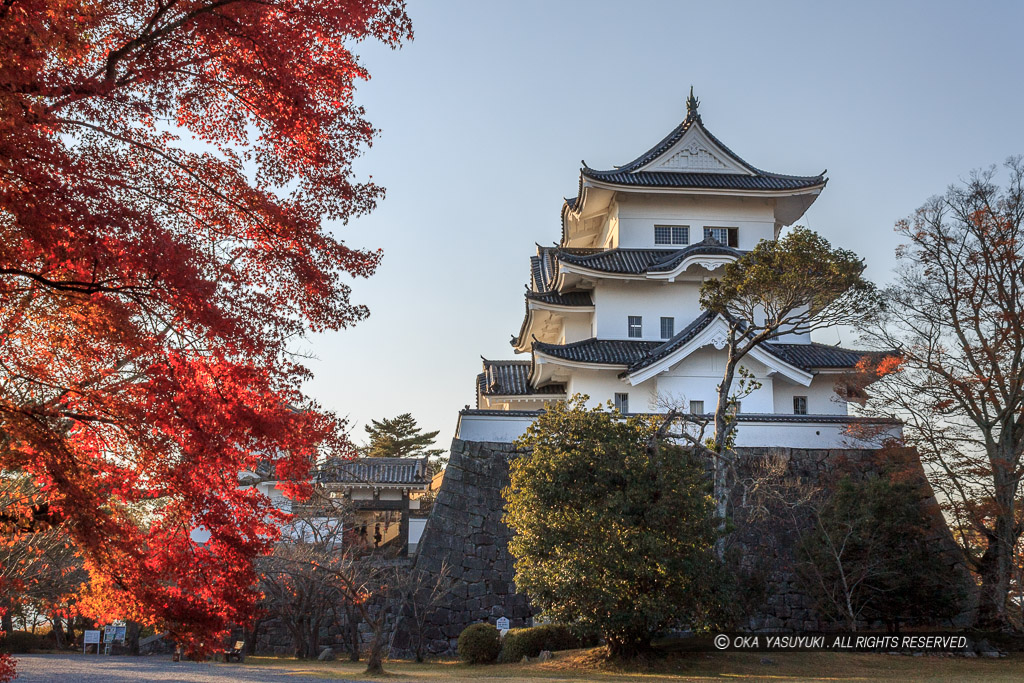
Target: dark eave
x,y
555,299
709,181
543,268
639,261
817,356
511,378
600,351
413,472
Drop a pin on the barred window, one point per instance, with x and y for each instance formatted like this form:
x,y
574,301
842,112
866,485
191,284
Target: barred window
x,y
696,407
799,405
668,327
636,327
622,403
671,234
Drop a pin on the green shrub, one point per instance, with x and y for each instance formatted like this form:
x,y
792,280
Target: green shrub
x,y
479,644
530,642
21,642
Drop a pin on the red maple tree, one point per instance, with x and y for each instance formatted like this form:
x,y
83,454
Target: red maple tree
x,y
165,168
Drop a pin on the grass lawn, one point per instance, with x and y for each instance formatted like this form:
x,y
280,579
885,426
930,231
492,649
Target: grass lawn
x,y
586,665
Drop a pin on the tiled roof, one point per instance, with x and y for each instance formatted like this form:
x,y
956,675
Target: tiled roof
x,y
816,355
501,413
373,471
638,261
604,351
672,138
715,181
677,340
511,378
632,261
543,268
637,354
760,180
556,299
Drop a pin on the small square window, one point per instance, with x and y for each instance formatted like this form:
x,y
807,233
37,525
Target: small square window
x,y
726,236
668,327
636,327
696,407
622,403
662,234
799,405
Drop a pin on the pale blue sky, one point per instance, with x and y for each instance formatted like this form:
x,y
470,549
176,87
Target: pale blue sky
x,y
487,114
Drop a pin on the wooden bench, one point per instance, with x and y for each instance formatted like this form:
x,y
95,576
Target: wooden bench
x,y
237,652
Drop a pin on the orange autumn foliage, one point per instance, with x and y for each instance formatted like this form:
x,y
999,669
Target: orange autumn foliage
x,y
165,169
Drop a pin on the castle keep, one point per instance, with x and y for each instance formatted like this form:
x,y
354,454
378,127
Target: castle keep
x,y
612,311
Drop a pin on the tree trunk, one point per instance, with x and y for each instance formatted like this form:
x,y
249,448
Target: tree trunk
x,y
996,565
375,657
131,637
628,647
250,636
353,634
70,631
58,633
7,622
721,464
418,635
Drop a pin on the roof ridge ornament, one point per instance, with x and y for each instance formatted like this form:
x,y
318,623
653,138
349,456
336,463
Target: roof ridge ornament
x,y
691,106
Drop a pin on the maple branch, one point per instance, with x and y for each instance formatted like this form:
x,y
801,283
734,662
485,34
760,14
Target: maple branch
x,y
77,286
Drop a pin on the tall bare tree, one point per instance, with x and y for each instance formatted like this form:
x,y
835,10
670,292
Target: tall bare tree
x,y
955,313
295,580
421,593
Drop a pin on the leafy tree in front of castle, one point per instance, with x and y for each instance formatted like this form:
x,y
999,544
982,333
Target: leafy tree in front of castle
x,y
401,437
613,529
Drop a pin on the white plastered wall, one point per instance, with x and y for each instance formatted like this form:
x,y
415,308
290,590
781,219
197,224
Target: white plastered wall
x,y
602,385
616,300
696,378
577,327
821,396
638,214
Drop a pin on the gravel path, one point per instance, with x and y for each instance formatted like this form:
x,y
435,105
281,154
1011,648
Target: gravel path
x,y
103,669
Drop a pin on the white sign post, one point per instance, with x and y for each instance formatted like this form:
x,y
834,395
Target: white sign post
x,y
91,638
502,625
